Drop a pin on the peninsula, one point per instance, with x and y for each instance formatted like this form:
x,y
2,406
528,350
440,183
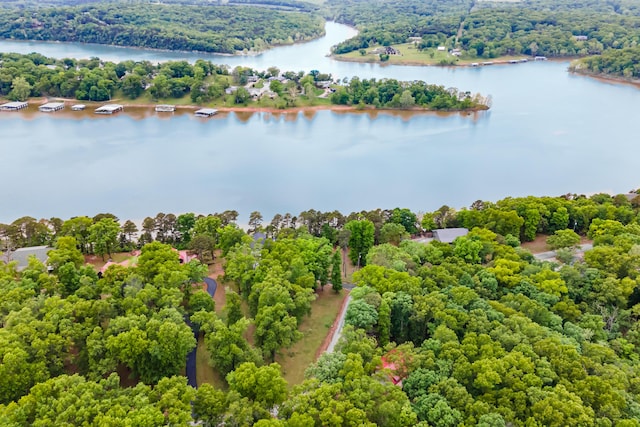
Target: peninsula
x,y
617,65
211,85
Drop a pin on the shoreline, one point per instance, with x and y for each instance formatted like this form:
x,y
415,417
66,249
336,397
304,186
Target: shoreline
x,y
239,54
466,64
248,109
605,78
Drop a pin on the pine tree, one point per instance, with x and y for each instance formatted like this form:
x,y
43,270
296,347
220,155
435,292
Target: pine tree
x,y
336,273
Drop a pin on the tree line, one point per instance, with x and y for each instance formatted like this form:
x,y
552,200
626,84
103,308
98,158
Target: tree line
x,y
24,76
203,27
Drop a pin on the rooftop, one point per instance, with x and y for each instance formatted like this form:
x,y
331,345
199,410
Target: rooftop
x,y
13,105
448,235
22,255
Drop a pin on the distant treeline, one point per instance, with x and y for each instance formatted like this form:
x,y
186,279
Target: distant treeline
x,y
489,30
622,63
32,75
205,27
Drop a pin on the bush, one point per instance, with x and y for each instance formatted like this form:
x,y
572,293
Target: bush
x,y
563,239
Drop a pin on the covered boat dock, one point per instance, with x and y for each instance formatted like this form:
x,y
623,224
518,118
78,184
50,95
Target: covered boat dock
x,y
14,106
165,108
51,107
109,109
206,112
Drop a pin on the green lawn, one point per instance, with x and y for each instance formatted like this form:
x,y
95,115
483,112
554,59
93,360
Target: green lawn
x,y
324,311
409,54
204,372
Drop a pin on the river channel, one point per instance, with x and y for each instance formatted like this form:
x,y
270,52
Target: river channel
x,y
547,133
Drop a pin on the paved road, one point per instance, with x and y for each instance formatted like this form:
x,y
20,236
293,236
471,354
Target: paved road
x,y
191,357
212,286
338,333
552,254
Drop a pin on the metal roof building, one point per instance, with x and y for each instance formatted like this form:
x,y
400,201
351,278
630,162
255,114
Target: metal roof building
x,y
51,107
13,106
22,255
448,235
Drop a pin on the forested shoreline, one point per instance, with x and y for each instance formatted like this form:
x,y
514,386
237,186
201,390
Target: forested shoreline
x,y
34,75
624,63
205,27
490,30
474,332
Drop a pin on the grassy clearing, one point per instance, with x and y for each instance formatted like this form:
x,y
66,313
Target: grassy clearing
x,y
410,55
204,372
315,327
97,262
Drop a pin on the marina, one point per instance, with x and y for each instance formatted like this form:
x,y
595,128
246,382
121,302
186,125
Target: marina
x,y
14,106
109,109
50,107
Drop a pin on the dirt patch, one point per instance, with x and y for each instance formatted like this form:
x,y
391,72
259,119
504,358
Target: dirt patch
x,y
538,245
127,378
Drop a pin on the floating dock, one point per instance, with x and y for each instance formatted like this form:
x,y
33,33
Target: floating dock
x,y
13,106
50,107
206,112
78,107
109,109
164,108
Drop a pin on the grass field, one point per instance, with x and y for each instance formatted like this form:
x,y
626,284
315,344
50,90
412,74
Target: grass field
x,y
204,372
410,55
315,327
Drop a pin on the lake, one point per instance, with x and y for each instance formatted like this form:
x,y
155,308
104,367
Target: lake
x,y
547,133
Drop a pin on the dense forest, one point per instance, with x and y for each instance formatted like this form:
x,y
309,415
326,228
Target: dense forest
x,y
207,28
622,63
474,332
33,75
493,29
